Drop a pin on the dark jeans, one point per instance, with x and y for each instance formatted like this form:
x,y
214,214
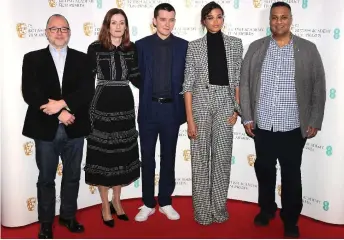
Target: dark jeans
x,y
47,158
164,127
287,147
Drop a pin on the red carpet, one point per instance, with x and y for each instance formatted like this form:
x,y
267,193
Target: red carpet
x,y
239,225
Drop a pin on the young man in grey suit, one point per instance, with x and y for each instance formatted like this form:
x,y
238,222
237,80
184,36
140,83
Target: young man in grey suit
x,y
282,99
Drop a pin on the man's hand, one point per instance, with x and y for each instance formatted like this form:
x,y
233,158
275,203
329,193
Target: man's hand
x,y
66,118
311,132
53,106
249,128
232,120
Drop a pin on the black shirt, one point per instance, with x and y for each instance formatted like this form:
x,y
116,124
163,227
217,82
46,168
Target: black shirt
x,y
217,61
162,69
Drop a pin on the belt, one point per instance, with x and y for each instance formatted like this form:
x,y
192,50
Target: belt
x,y
162,100
112,83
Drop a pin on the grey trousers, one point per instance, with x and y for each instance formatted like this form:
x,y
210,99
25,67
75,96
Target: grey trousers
x,y
211,155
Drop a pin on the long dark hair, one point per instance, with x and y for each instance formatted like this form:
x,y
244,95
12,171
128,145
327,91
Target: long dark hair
x,y
104,35
208,8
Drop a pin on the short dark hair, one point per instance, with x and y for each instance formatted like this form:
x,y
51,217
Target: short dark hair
x,y
208,8
163,6
57,15
280,4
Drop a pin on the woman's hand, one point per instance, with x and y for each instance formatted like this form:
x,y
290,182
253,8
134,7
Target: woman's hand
x,y
232,120
192,130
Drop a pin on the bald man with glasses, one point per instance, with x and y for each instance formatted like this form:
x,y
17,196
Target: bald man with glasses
x,y
58,90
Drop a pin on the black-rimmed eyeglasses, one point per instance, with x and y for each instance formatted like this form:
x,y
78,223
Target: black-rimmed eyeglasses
x,y
62,30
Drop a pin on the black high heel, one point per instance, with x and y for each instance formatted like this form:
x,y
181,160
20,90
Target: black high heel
x,y
109,223
122,217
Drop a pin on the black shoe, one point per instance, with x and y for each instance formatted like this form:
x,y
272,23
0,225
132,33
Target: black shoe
x,y
263,218
109,223
46,231
123,217
291,231
72,225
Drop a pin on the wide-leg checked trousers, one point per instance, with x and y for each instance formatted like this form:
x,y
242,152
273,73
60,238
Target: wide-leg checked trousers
x,y
211,155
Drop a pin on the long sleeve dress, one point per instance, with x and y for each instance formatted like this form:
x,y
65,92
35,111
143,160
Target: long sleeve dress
x,y
112,156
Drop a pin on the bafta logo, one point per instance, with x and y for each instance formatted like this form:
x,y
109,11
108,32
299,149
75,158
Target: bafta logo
x,y
88,28
257,3
28,148
134,30
251,158
119,3
152,28
59,169
188,3
156,179
92,189
52,3
21,30
31,204
279,190
99,3
187,155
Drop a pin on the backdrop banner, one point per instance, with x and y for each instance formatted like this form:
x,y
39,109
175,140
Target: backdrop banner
x,y
320,21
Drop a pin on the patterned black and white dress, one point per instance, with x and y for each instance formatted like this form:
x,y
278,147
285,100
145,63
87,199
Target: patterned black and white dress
x,y
112,147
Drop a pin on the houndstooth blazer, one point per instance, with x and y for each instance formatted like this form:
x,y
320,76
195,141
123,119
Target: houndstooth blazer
x,y
196,75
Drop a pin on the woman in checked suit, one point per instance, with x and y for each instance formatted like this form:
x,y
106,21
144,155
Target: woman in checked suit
x,y
211,93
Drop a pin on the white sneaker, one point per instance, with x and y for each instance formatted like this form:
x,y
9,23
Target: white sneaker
x,y
144,213
169,212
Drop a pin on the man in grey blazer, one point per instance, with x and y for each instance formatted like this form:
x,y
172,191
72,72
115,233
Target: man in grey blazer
x,y
282,99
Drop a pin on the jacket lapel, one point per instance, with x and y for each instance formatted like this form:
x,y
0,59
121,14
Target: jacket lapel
x,y
228,50
298,61
204,60
149,58
258,59
51,69
261,54
68,64
174,59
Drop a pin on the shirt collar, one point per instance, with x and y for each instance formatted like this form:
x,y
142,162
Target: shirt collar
x,y
290,42
168,39
119,47
214,35
52,49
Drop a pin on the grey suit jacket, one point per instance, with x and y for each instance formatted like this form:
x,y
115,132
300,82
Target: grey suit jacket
x,y
196,76
309,82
